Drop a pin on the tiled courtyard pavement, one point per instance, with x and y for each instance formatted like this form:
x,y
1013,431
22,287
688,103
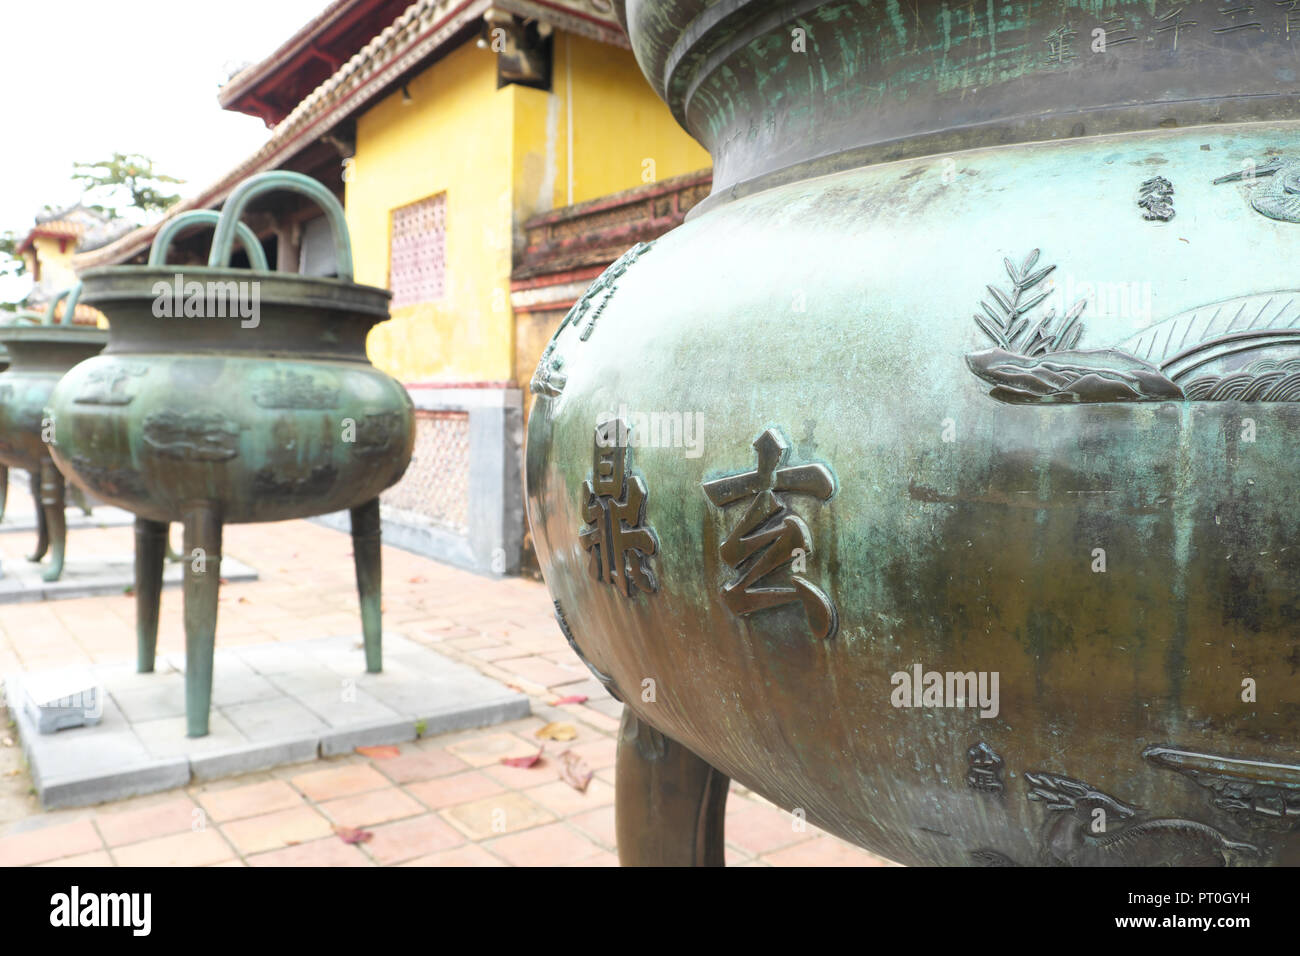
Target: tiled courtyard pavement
x,y
432,804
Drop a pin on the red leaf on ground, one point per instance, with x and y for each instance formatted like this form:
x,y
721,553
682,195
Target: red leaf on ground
x,y
571,699
416,580
574,771
385,752
525,762
353,834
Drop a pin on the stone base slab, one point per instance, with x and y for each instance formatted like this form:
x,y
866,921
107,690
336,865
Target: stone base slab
x,y
273,704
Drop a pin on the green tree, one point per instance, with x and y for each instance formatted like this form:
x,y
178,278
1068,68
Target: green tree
x,y
128,173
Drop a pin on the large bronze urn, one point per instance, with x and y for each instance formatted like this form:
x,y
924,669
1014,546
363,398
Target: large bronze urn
x,y
234,395
935,478
40,352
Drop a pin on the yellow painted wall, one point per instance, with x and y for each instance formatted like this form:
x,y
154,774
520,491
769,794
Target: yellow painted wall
x,y
55,263
453,137
501,156
618,124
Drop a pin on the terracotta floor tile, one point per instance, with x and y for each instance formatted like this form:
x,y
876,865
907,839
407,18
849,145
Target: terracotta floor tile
x,y
459,788
49,843
553,845
330,851
598,824
98,858
174,816
417,837
543,672
758,829
342,781
496,815
369,809
487,749
271,831
562,799
251,800
471,854
823,851
181,849
421,765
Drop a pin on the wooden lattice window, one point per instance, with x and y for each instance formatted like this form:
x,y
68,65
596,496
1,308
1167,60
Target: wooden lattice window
x,y
418,264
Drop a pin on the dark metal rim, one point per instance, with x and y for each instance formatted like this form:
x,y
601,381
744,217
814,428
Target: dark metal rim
x,y
54,334
136,283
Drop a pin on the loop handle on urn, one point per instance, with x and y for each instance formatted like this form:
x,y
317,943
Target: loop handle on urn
x,y
270,182
73,295
173,227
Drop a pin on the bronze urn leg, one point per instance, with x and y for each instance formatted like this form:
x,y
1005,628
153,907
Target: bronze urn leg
x,y
202,544
52,505
150,546
669,804
42,530
78,498
366,556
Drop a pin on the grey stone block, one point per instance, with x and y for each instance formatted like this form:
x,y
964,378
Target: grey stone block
x,y
63,701
282,717
154,701
127,781
358,709
337,742
254,757
166,737
132,751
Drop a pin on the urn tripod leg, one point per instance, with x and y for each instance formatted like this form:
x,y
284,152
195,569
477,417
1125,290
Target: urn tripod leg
x,y
366,555
52,506
4,489
150,545
42,530
669,805
202,543
78,498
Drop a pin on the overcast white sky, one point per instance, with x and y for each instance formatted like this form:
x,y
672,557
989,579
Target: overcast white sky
x,y
86,78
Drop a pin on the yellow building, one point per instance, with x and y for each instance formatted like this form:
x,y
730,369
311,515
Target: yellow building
x,y
446,127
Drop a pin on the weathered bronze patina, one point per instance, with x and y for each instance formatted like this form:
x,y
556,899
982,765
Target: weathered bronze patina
x,y
982,545
234,395
40,352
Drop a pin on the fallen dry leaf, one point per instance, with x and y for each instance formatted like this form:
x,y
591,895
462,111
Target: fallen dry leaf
x,y
353,834
416,580
557,731
525,762
384,752
574,771
571,699
516,687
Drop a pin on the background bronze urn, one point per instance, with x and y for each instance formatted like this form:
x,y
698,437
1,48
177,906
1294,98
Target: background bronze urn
x,y
934,478
40,352
234,395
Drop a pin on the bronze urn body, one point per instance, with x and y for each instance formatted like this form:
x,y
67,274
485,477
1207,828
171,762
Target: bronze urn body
x,y
932,480
39,354
234,395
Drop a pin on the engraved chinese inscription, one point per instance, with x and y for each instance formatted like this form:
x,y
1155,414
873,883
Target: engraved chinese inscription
x,y
1157,200
770,536
616,538
984,771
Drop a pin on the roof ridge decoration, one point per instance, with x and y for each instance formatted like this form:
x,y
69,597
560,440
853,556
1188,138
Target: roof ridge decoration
x,y
420,30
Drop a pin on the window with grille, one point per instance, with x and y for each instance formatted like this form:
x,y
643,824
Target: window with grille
x,y
418,267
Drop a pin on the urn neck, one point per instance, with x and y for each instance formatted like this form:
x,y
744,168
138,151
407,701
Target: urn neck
x,y
779,91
